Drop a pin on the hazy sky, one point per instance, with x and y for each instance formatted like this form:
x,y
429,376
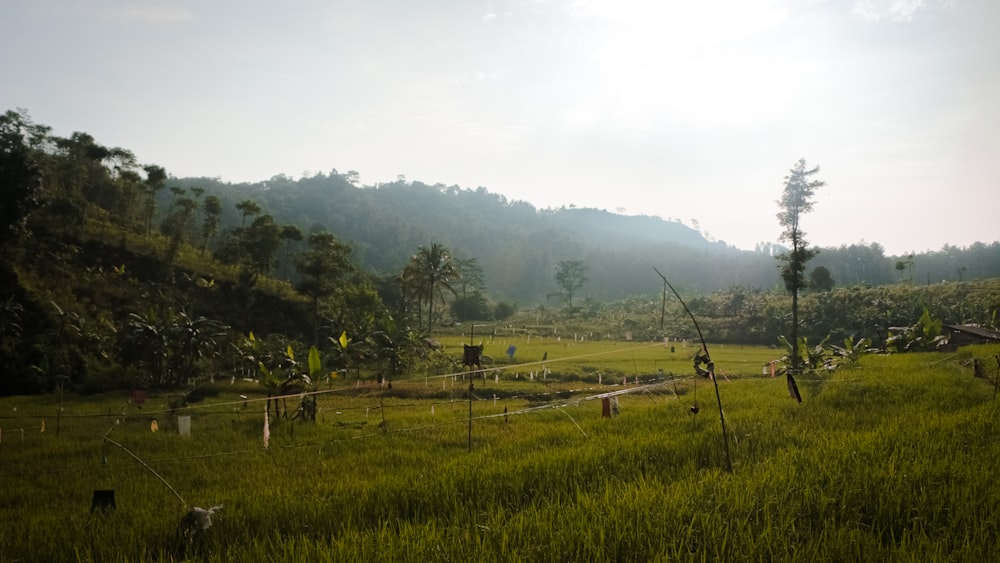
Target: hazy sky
x,y
689,109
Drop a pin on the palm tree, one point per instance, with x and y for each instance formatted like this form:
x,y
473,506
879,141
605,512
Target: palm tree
x,y
288,233
409,292
212,206
168,346
250,208
433,270
193,340
144,343
156,176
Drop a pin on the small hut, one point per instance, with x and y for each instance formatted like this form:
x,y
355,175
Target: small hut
x,y
963,335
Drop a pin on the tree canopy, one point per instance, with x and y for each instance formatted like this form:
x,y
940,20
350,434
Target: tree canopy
x,y
20,174
570,277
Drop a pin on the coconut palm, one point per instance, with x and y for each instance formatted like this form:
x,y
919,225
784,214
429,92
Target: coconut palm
x,y
433,270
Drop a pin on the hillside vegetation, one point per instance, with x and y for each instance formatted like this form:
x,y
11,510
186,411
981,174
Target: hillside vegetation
x,y
518,246
115,275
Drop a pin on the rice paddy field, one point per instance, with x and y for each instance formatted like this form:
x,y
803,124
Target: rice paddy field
x,y
892,458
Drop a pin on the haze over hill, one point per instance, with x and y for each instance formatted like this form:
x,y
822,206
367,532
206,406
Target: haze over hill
x,y
691,110
519,246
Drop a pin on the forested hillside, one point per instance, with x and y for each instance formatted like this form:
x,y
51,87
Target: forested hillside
x,y
115,274
518,246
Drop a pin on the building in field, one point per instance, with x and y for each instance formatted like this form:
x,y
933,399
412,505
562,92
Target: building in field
x,y
963,335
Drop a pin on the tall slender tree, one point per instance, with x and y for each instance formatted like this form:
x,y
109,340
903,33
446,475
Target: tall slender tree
x,y
470,303
323,267
156,177
435,272
289,234
410,299
176,224
249,208
259,243
129,182
796,200
212,207
20,176
472,277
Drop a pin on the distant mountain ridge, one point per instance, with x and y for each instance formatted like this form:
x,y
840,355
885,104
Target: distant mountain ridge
x,y
519,246
601,227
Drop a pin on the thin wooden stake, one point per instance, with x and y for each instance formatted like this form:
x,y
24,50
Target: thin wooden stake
x,y
471,387
996,381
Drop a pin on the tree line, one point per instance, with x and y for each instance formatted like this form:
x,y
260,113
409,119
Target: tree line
x,y
114,273
518,246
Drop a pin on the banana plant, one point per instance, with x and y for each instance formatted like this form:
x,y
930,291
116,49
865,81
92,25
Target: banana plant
x,y
852,350
277,374
313,379
925,334
271,383
315,365
812,357
817,353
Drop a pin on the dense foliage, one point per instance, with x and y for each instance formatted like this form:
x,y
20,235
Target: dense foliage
x,y
518,247
117,275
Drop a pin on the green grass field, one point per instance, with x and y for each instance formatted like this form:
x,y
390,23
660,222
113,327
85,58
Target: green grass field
x,y
890,459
